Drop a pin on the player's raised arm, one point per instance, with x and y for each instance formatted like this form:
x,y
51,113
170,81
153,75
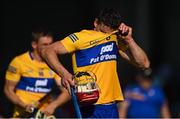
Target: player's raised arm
x,y
134,54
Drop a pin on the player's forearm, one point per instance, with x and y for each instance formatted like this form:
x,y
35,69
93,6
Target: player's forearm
x,y
138,55
50,56
14,98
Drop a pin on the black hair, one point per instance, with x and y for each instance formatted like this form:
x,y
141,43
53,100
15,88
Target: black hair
x,y
110,17
40,32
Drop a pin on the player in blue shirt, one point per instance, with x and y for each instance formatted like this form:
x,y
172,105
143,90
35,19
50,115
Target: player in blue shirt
x,y
143,100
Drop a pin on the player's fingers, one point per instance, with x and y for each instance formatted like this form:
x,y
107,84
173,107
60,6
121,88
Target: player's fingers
x,y
47,113
29,108
72,82
63,83
68,87
130,30
121,26
125,28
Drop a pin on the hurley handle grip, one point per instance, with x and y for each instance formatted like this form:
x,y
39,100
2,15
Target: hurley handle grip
x,y
123,34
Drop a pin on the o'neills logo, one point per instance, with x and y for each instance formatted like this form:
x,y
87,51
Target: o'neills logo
x,y
41,82
107,48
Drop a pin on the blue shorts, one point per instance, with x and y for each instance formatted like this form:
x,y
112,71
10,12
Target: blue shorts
x,y
100,111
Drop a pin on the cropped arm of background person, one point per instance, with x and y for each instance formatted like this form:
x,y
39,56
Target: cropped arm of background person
x,y
28,78
144,100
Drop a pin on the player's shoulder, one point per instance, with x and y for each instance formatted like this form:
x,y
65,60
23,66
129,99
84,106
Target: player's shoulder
x,y
88,34
21,57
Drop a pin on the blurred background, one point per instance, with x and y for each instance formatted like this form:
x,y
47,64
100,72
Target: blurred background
x,y
155,26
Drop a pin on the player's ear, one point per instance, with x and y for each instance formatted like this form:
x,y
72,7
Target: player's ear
x,y
95,22
34,44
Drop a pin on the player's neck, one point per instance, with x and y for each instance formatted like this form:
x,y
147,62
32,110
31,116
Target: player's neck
x,y
36,56
146,85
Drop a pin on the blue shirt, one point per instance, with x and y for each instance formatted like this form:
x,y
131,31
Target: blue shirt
x,y
144,103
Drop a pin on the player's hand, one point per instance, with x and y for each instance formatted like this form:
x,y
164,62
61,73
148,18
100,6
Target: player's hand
x,y
29,108
126,32
67,81
49,110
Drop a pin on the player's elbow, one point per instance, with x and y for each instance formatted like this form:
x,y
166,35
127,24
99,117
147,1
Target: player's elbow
x,y
145,64
7,90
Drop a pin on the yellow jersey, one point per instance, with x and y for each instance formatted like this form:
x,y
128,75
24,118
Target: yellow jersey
x,y
35,79
96,52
